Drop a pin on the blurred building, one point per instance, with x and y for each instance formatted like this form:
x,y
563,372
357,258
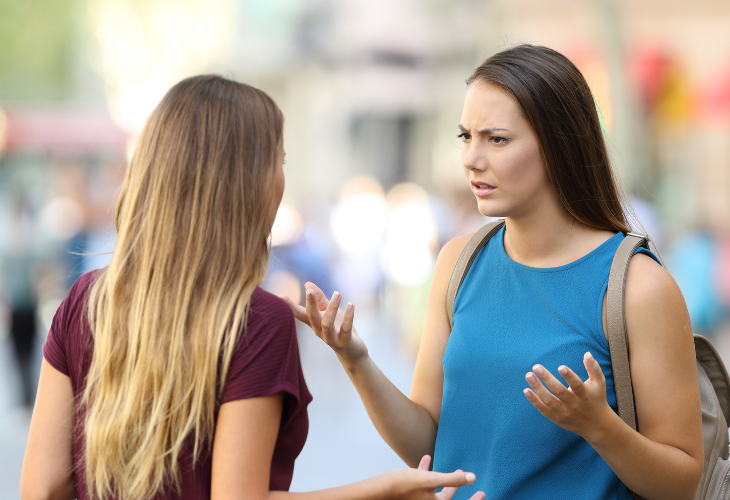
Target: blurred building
x,y
369,89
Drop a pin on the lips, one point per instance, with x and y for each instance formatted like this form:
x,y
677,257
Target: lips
x,y
482,188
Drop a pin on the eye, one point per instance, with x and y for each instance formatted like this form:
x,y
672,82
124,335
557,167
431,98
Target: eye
x,y
498,140
464,136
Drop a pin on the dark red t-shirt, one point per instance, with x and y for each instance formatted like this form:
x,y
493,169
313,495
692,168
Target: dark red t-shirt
x,y
265,362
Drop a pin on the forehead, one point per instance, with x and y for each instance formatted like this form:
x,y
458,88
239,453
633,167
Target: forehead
x,y
487,105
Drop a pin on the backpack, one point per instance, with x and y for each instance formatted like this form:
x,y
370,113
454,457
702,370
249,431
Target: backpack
x,y
711,373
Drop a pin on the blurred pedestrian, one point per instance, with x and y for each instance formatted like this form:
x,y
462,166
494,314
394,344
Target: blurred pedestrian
x,y
19,274
170,373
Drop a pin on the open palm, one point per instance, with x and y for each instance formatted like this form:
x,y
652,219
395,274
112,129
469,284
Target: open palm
x,y
330,323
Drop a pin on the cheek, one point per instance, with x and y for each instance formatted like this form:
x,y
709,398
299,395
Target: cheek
x,y
280,184
279,181
527,169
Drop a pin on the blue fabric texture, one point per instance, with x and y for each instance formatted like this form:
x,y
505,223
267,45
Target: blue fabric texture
x,y
507,318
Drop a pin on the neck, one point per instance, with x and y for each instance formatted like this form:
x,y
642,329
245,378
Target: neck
x,y
545,238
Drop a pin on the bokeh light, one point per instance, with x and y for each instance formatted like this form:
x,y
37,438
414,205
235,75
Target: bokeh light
x,y
410,236
145,47
64,217
358,220
3,128
287,226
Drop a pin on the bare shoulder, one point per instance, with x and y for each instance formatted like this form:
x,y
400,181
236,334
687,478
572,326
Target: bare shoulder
x,y
449,254
649,285
655,306
453,247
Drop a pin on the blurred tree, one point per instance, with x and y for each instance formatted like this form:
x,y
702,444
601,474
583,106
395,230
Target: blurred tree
x,y
38,40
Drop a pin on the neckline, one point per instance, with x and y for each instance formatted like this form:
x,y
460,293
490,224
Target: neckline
x,y
580,260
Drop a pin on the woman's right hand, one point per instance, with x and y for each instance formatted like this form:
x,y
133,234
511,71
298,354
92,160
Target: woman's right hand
x,y
330,323
420,484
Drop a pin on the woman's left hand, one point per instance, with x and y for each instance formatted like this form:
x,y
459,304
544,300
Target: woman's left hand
x,y
581,407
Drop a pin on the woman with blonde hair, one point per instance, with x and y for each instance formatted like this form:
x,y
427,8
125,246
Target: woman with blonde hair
x,y
170,374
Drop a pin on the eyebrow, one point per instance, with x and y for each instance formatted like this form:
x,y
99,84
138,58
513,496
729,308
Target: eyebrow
x,y
484,130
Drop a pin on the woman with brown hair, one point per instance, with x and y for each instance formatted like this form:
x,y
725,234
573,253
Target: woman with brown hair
x,y
484,395
170,374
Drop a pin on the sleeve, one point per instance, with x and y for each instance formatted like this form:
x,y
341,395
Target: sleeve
x,y
266,360
54,350
65,336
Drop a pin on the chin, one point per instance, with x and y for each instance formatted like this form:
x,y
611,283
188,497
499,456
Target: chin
x,y
490,209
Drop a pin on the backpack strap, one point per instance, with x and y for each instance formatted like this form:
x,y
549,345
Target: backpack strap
x,y
466,259
616,325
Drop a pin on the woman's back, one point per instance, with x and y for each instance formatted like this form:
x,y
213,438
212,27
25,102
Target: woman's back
x,y
265,361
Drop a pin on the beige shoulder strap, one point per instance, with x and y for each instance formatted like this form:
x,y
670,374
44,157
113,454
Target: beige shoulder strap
x,y
466,259
616,325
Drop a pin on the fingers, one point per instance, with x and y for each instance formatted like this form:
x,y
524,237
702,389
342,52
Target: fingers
x,y
538,389
319,297
479,495
425,462
328,318
537,403
593,368
574,381
315,319
300,312
553,384
574,408
458,478
346,326
447,493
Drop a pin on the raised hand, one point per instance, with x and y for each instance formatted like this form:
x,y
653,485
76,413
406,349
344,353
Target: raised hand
x,y
581,407
330,323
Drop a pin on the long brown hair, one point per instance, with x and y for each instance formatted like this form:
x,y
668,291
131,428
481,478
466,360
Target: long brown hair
x,y
192,221
556,100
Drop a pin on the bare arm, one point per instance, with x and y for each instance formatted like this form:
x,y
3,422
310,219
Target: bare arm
x,y
408,425
244,445
664,459
428,378
47,467
244,442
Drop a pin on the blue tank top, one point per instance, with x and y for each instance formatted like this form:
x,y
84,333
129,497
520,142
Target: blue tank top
x,y
507,318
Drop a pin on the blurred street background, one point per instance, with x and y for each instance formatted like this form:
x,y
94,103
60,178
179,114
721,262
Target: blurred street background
x,y
371,92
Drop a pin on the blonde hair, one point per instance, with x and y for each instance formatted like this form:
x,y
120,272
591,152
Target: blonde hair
x,y
192,221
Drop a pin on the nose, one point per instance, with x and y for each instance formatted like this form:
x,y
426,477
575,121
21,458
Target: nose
x,y
473,159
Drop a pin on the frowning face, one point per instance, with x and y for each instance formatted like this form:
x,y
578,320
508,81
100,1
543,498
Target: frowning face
x,y
501,154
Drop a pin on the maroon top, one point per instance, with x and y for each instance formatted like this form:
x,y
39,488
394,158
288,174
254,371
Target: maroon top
x,y
265,362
